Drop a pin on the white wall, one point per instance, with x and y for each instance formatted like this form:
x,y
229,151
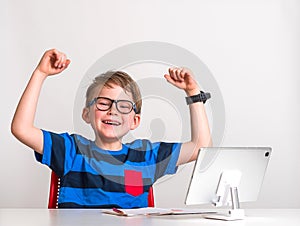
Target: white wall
x,y
250,46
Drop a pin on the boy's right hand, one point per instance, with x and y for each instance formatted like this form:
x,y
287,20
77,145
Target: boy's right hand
x,y
52,62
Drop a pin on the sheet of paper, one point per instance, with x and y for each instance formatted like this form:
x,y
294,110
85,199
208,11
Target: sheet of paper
x,y
152,211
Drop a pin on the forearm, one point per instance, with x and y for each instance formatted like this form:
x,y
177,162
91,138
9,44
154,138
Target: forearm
x,y
23,122
200,132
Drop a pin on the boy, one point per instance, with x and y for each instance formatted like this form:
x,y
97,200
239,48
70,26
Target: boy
x,y
106,173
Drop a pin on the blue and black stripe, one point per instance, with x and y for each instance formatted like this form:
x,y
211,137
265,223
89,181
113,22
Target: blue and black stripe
x,y
94,178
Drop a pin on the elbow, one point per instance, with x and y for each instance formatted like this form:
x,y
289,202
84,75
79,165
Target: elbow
x,y
15,130
18,130
28,135
204,143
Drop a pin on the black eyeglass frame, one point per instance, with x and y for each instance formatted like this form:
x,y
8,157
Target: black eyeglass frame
x,y
94,101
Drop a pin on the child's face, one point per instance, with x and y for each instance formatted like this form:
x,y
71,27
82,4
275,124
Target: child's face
x,y
111,125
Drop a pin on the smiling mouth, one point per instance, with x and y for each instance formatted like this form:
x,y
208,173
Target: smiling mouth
x,y
112,123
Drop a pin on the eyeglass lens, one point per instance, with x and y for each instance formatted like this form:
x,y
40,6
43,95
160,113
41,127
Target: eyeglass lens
x,y
123,106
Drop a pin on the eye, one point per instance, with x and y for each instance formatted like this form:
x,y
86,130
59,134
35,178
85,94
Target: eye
x,y
125,105
103,102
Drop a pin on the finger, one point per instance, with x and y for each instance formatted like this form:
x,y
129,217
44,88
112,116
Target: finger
x,y
62,60
173,73
59,58
66,63
169,79
184,73
179,75
55,57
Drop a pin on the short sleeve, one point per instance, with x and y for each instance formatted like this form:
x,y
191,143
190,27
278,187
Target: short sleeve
x,y
167,157
59,151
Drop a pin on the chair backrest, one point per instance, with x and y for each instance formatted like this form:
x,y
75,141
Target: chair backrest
x,y
54,193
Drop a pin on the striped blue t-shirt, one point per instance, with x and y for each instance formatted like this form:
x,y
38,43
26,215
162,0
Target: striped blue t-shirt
x,y
91,177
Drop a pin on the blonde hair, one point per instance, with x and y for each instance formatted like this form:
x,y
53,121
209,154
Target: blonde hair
x,y
118,78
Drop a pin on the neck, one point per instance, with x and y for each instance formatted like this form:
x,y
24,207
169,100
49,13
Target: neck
x,y
115,145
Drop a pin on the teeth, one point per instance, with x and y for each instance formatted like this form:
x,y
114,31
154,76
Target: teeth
x,y
111,123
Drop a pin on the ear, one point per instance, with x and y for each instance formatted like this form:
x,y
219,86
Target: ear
x,y
136,121
85,115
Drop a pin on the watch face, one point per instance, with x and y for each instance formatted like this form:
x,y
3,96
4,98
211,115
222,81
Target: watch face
x,y
202,96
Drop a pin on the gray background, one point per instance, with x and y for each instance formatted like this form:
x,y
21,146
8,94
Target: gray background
x,y
251,47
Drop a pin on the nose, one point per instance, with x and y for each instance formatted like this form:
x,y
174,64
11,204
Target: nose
x,y
113,109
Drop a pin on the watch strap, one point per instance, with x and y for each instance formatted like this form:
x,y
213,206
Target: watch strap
x,y
201,97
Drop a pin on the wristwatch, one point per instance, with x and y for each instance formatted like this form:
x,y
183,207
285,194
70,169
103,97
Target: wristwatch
x,y
201,97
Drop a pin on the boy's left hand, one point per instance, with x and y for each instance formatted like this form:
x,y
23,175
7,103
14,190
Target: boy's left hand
x,y
183,78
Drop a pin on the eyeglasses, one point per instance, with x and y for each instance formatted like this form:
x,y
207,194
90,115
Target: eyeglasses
x,y
104,104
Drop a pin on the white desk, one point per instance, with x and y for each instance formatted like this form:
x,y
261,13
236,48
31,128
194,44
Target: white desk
x,y
62,217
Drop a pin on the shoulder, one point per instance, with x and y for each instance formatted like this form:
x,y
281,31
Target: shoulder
x,y
146,145
65,137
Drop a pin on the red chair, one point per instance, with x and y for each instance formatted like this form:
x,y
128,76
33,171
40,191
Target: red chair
x,y
54,193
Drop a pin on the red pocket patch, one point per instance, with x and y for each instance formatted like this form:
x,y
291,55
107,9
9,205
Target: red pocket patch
x,y
133,182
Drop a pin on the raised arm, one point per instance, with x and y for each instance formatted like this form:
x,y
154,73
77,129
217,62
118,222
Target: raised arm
x,y
22,126
183,78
